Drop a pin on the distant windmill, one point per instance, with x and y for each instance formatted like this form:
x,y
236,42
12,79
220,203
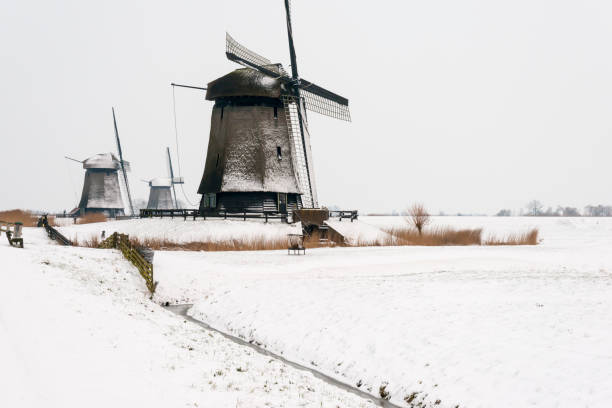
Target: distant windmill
x,y
101,190
101,187
162,194
259,155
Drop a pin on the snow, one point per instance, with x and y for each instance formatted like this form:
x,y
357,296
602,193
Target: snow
x,y
102,161
179,230
469,326
77,329
358,232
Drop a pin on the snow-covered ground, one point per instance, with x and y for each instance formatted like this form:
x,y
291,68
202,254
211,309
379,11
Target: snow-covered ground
x,y
77,330
447,326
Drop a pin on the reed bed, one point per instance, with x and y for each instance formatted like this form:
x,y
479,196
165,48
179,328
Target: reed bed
x,y
257,243
92,218
440,236
447,236
27,218
529,237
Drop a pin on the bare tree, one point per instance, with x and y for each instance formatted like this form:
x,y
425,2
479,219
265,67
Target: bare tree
x,y
534,207
418,217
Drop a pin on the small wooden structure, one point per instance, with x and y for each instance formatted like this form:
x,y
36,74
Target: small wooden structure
x,y
295,244
13,233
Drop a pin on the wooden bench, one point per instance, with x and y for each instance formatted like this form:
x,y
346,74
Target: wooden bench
x,y
295,244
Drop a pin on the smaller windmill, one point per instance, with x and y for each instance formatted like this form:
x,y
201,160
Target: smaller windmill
x,y
162,193
101,188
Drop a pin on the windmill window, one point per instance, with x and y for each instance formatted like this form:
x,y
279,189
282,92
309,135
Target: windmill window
x,y
222,113
279,154
275,112
217,162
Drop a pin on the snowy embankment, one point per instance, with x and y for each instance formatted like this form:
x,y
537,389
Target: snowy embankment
x,y
182,231
77,330
441,326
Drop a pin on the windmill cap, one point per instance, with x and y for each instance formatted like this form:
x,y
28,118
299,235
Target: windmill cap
x,y
246,82
106,161
161,182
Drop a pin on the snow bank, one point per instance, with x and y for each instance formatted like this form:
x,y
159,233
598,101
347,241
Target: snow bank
x,y
358,232
468,326
77,330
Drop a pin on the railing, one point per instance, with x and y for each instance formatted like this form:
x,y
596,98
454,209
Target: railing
x,y
53,233
352,215
225,214
122,242
13,233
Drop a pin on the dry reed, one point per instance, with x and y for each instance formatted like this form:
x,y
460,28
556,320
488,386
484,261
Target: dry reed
x,y
91,218
27,218
441,236
522,238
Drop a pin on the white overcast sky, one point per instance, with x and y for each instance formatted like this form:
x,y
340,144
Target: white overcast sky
x,y
467,106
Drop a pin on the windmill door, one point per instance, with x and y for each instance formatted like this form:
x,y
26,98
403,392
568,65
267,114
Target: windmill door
x,y
282,203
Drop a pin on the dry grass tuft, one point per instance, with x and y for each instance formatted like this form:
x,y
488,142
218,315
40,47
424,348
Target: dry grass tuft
x,y
93,242
27,218
441,236
523,238
91,218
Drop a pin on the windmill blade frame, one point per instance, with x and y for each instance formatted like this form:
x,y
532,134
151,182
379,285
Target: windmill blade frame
x,y
241,54
316,100
172,181
123,164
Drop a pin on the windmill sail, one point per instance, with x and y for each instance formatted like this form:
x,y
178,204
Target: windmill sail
x,y
125,166
302,162
173,181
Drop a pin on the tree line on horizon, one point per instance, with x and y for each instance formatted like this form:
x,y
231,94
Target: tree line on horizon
x,y
536,209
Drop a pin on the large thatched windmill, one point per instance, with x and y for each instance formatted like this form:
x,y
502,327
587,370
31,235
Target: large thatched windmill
x,y
259,155
162,194
101,187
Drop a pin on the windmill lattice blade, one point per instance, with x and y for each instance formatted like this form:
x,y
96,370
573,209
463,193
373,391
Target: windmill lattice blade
x,y
325,106
325,102
234,48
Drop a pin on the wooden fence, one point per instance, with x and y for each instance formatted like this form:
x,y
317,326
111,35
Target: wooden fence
x,y
53,233
122,242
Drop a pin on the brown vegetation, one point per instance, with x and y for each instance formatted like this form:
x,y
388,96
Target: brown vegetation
x,y
522,238
27,218
239,244
91,218
435,237
446,236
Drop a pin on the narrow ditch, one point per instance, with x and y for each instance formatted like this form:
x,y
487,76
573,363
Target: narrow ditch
x,y
182,310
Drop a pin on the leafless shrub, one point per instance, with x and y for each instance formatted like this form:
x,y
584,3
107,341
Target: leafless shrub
x,y
418,217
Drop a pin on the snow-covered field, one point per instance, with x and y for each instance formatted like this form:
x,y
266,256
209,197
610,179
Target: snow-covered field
x,y
446,326
436,326
77,330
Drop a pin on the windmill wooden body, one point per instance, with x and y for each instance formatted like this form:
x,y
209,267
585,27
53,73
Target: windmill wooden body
x,y
101,189
259,156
